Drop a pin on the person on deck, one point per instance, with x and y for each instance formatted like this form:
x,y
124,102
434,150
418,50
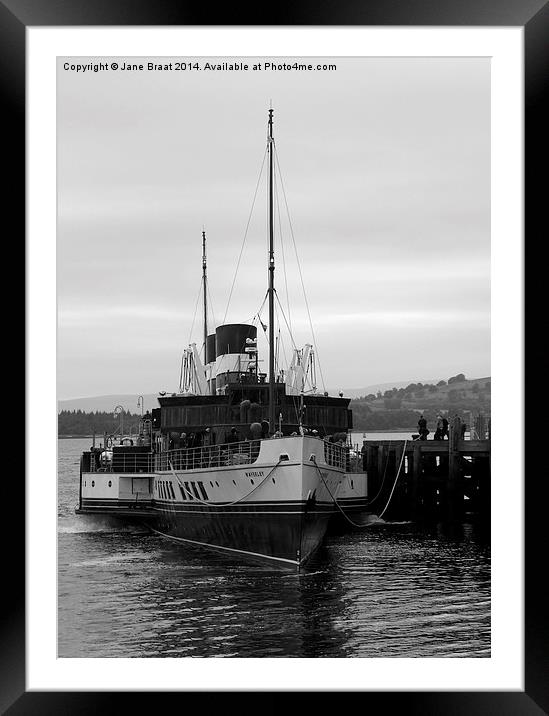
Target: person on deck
x,y
233,436
364,454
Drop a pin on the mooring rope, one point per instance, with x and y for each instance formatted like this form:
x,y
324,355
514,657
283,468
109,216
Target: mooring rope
x,y
371,502
336,503
396,478
217,504
356,524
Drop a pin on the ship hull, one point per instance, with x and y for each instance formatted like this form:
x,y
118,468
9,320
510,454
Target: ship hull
x,y
287,534
276,509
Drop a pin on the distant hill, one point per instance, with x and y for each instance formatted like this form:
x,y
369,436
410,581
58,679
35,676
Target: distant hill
x,y
359,392
399,407
107,403
456,392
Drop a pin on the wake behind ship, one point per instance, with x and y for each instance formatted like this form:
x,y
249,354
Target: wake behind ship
x,y
250,463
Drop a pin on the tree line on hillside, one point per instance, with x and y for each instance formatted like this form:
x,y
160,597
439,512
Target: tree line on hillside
x,y
78,422
415,391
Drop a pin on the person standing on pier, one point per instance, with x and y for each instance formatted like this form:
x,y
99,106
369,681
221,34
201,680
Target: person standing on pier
x,y
422,428
445,432
438,432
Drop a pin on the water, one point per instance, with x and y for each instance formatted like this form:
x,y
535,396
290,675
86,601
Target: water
x,y
393,590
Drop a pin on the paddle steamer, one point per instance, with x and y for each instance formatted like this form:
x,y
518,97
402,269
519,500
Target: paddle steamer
x,y
241,461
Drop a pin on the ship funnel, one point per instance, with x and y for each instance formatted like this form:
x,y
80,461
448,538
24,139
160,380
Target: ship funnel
x,y
232,358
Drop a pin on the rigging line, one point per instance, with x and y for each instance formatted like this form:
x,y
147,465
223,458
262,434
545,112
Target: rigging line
x,y
286,322
258,314
195,309
277,324
262,304
299,269
283,345
282,251
245,235
226,504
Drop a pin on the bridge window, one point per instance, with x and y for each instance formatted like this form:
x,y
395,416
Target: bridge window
x,y
202,490
171,490
183,493
189,491
193,485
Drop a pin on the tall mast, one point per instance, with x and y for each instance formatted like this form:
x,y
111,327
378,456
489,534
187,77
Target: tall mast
x,y
204,291
271,282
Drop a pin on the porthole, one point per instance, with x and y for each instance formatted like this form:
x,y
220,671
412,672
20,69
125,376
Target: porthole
x,y
252,482
217,483
110,483
93,483
272,478
234,483
211,483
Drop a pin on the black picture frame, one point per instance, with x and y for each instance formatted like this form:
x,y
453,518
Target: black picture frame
x,y
533,16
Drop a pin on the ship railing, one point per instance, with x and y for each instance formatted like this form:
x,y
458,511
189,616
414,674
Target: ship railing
x,y
209,456
343,456
120,462
335,454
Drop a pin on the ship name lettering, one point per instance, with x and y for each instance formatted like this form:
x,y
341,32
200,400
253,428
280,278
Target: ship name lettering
x,y
255,473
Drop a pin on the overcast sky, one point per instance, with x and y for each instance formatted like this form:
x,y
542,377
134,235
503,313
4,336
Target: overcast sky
x,y
386,166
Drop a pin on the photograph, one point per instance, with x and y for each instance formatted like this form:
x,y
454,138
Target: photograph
x,y
273,282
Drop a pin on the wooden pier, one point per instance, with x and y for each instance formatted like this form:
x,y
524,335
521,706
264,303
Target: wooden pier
x,y
438,478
